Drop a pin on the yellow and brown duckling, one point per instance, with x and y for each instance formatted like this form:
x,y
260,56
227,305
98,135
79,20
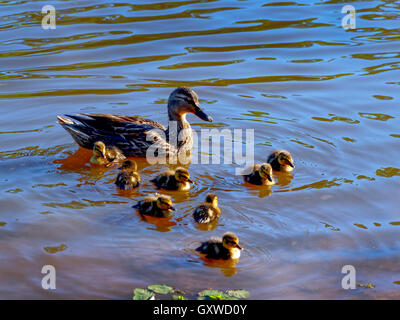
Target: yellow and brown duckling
x,y
261,174
208,211
281,160
226,248
159,206
178,179
128,178
103,155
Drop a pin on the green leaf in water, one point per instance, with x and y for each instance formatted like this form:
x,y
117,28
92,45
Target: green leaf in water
x,y
161,288
142,294
209,293
240,294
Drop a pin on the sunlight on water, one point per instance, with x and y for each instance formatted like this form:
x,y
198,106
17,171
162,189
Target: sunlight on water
x,y
288,70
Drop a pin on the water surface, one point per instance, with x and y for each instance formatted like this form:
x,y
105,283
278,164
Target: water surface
x,y
288,70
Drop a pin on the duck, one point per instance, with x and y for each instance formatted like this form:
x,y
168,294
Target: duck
x,y
261,174
103,155
159,206
178,180
208,211
281,160
128,178
134,135
225,248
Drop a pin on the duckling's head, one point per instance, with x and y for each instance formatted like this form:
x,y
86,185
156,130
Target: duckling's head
x,y
231,241
184,100
182,175
99,149
285,159
164,203
266,171
129,165
212,199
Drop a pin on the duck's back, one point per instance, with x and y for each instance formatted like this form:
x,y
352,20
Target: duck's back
x,y
128,133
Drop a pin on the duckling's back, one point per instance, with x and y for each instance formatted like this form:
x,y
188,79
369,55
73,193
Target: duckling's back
x,y
127,180
205,213
213,249
166,180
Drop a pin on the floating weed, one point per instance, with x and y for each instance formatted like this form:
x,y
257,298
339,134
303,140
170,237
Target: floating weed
x,y
367,285
160,288
176,294
143,294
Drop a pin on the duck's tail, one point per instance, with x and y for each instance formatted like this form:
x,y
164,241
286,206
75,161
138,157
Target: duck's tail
x,y
79,132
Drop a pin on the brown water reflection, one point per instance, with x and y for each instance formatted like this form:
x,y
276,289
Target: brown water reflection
x,y
285,69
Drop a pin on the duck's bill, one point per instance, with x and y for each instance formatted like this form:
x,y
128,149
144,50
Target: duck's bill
x,y
269,178
172,208
239,247
202,115
189,180
290,163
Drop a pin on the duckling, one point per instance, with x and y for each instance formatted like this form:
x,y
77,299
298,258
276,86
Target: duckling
x,y
103,155
159,206
281,160
134,135
208,211
178,179
128,178
226,248
261,175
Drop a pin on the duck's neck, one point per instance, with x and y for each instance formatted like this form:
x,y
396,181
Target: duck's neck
x,y
177,123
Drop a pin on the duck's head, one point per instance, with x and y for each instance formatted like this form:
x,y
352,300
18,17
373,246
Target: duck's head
x,y
182,175
266,171
285,159
129,165
184,100
164,203
212,199
99,149
231,241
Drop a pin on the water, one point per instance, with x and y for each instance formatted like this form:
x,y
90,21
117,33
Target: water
x,y
286,69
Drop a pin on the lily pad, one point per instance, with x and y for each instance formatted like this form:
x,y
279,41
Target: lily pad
x,y
142,294
240,294
161,288
209,293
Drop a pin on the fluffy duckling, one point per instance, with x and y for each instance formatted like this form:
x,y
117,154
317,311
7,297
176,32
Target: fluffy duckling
x,y
226,248
281,160
103,155
178,179
207,211
261,175
159,206
128,178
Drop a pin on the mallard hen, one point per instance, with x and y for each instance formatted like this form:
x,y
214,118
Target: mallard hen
x,y
134,135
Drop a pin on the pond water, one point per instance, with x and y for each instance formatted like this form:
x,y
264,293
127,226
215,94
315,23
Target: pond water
x,y
288,70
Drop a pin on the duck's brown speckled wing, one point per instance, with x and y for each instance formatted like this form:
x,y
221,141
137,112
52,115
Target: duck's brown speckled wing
x,y
128,133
